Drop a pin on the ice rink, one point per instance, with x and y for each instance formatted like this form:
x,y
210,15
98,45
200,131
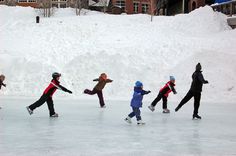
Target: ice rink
x,y
84,129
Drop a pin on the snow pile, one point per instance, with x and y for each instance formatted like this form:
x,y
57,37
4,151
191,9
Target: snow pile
x,y
126,47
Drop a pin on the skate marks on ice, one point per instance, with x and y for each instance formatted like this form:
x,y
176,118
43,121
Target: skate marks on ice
x,y
83,128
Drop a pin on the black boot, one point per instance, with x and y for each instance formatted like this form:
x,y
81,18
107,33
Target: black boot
x,y
177,108
196,116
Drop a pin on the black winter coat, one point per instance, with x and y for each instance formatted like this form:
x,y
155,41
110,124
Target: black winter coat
x,y
198,81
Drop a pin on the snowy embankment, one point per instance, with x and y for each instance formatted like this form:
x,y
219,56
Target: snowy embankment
x,y
126,47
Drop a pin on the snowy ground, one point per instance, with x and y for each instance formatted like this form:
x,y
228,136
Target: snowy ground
x,y
127,47
83,129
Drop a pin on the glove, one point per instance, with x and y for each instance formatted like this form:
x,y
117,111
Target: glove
x,y
148,92
69,91
206,82
175,92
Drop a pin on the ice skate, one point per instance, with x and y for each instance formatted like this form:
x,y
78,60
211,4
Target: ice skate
x,y
29,110
103,106
54,115
140,122
151,108
128,120
197,117
166,111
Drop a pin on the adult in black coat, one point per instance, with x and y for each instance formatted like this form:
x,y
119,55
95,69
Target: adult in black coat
x,y
195,91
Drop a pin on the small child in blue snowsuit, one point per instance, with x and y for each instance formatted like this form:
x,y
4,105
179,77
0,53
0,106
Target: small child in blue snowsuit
x,y
136,103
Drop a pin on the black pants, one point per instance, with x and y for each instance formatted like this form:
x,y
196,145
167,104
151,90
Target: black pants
x,y
98,92
44,98
188,96
158,98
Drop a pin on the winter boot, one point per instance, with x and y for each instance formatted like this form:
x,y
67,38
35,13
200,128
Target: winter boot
x,y
54,115
103,106
140,122
151,108
128,120
29,110
196,116
166,111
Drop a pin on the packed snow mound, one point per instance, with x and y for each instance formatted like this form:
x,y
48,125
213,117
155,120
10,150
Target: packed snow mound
x,y
126,47
200,21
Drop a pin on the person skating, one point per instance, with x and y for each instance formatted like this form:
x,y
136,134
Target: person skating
x,y
2,78
195,91
163,94
136,103
47,96
102,81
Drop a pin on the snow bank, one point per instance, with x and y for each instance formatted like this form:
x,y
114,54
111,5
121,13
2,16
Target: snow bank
x,y
126,47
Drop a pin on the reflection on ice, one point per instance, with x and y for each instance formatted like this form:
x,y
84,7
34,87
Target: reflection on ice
x,y
84,129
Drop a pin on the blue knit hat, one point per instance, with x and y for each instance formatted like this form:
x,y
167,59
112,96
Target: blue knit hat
x,y
172,78
138,84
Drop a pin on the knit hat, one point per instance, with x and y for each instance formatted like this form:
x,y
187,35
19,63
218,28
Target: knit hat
x,y
198,67
172,78
138,84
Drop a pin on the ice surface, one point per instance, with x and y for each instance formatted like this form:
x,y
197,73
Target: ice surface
x,y
85,129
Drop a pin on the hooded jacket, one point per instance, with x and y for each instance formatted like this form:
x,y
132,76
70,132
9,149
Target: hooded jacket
x,y
101,83
138,97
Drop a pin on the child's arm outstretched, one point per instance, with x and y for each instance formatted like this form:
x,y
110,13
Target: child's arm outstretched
x,y
109,80
145,92
96,79
64,89
173,89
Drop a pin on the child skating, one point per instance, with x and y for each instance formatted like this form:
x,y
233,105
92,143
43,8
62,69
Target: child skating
x,y
163,94
195,91
102,81
2,78
47,96
136,103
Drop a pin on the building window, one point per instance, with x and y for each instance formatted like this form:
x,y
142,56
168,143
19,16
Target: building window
x,y
121,3
144,8
59,3
26,1
136,7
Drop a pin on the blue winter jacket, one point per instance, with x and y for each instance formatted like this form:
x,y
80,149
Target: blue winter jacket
x,y
138,97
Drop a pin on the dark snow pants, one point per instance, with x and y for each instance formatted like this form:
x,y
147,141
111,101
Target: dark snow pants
x,y
98,92
188,96
136,112
158,98
44,98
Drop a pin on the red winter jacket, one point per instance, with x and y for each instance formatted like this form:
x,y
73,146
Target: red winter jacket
x,y
53,86
167,89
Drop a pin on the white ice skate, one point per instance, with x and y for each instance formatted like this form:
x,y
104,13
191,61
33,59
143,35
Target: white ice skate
x,y
29,110
140,122
151,108
128,120
166,111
